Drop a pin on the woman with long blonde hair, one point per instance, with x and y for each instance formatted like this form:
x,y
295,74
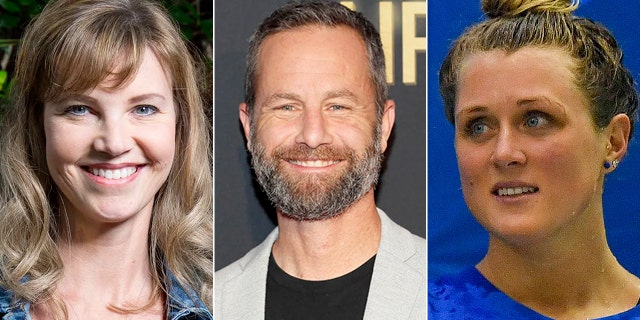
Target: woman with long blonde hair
x,y
105,175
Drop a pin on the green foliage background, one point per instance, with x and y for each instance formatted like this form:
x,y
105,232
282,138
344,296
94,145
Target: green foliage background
x,y
195,18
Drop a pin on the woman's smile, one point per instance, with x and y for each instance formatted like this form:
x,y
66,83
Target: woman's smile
x,y
112,174
110,149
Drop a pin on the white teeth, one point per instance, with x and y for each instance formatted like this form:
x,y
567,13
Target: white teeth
x,y
515,191
315,163
113,174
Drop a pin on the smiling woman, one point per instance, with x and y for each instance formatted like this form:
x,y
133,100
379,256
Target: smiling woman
x,y
106,202
541,106
108,156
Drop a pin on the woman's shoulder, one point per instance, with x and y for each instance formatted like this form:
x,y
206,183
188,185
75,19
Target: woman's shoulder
x,y
468,282
183,302
11,307
5,296
450,291
469,295
632,314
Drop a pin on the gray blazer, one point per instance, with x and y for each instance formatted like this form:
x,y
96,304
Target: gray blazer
x,y
397,289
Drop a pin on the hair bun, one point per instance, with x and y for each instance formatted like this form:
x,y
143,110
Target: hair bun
x,y
512,8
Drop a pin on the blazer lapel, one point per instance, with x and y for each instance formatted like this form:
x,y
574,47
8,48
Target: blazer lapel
x,y
397,289
247,291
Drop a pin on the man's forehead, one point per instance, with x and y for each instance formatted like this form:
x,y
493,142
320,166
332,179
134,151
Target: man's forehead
x,y
337,38
331,94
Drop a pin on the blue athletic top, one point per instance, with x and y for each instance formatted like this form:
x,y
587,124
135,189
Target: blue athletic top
x,y
469,295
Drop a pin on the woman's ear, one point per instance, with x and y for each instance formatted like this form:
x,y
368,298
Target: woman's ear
x,y
618,130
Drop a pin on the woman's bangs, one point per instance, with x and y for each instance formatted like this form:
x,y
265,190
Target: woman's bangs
x,y
82,67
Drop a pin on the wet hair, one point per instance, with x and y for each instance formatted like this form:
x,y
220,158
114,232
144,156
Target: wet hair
x,y
72,47
295,15
514,24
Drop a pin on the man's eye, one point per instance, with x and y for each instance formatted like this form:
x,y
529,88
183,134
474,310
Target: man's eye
x,y
145,110
287,107
77,110
337,107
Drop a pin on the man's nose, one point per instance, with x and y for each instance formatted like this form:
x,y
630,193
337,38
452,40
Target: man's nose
x,y
313,129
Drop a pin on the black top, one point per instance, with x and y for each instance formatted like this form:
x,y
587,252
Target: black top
x,y
344,297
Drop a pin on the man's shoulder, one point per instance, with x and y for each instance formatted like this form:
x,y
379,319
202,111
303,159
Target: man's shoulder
x,y
418,246
229,272
399,248
399,241
240,286
256,258
397,289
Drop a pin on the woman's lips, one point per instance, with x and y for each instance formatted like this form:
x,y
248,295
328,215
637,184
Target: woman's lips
x,y
513,188
515,191
111,173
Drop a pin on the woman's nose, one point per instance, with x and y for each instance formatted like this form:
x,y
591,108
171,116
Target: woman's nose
x,y
508,150
114,137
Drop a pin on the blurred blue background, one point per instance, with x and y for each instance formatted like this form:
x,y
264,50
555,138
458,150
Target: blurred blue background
x,y
455,240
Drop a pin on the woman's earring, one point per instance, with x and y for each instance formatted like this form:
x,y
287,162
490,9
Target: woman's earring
x,y
613,164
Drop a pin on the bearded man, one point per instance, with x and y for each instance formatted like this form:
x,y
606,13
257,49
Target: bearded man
x,y
317,120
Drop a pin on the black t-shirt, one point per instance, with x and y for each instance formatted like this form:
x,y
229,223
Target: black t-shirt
x,y
344,297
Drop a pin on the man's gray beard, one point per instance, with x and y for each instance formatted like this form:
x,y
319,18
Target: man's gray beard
x,y
317,197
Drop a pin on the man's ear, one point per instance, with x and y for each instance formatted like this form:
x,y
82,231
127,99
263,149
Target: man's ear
x,y
245,119
618,131
388,119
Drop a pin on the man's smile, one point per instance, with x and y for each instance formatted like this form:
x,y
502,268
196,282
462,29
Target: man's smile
x,y
314,163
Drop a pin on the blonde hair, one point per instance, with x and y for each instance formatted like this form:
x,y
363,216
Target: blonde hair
x,y
72,46
514,24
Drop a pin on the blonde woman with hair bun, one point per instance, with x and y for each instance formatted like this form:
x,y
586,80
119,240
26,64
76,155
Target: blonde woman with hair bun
x,y
543,109
105,175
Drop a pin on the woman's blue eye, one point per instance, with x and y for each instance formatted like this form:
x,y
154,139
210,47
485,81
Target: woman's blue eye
x,y
478,128
145,110
77,110
535,121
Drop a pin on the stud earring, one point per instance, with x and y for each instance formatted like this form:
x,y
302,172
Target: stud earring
x,y
615,163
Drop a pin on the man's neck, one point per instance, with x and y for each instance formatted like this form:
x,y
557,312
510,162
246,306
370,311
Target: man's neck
x,y
327,249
